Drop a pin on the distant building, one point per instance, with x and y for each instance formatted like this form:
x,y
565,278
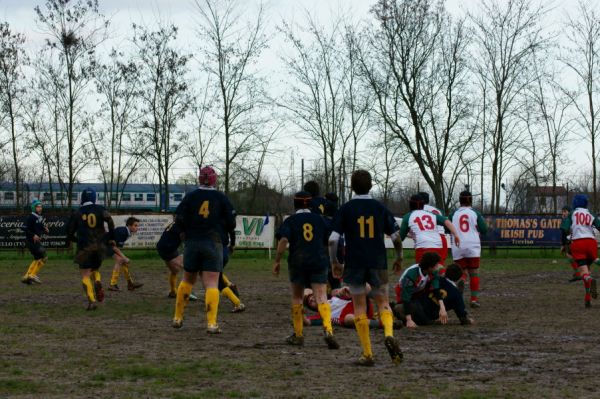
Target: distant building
x,y
541,198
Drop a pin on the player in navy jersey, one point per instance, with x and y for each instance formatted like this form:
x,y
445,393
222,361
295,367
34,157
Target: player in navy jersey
x,y
363,222
34,228
202,215
317,203
306,233
122,234
226,287
86,227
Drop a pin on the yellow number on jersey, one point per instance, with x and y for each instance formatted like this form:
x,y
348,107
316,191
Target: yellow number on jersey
x,y
204,211
307,231
90,219
370,222
322,208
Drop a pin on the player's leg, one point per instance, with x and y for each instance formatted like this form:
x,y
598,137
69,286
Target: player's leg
x,y
379,291
474,281
26,279
320,293
361,323
297,293
183,296
97,281
88,287
175,265
227,291
116,273
210,280
131,285
40,254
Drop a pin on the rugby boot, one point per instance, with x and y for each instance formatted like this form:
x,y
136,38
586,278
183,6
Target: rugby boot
x,y
192,297
172,294
466,321
575,277
114,288
177,323
99,291
132,286
27,280
331,342
239,308
588,304
92,306
593,288
213,329
391,344
37,280
294,340
234,288
366,361
475,304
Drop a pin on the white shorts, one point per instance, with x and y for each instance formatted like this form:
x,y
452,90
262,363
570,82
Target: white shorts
x,y
468,252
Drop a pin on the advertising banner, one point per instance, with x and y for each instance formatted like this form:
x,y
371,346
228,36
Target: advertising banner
x,y
13,236
151,227
254,232
529,231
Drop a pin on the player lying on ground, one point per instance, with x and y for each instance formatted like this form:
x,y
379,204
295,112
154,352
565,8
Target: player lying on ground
x,y
470,225
86,227
306,233
121,261
34,227
580,224
419,304
363,222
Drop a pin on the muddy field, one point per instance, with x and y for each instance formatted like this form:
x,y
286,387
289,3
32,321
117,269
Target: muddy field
x,y
533,338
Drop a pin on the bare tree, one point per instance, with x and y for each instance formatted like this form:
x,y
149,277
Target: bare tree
x,y
115,152
165,100
12,60
508,34
230,50
582,56
415,64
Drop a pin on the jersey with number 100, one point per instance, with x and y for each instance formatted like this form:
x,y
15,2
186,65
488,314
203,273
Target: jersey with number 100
x,y
363,222
204,213
424,226
580,222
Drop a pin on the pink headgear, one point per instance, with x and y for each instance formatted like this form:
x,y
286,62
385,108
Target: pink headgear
x,y
208,177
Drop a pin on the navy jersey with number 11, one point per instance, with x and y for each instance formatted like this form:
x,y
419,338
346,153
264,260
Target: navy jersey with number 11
x,y
364,222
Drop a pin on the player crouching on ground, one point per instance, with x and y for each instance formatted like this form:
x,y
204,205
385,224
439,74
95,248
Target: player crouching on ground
x,y
306,233
121,261
86,226
202,215
420,304
34,228
470,224
584,247
363,221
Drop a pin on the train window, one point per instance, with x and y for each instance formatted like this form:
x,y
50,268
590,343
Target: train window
x,y
125,197
100,196
74,196
46,197
138,197
60,196
9,196
151,197
114,196
177,197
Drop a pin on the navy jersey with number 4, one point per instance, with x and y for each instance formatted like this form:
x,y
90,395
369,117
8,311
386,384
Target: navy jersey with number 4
x,y
307,234
363,222
87,223
203,213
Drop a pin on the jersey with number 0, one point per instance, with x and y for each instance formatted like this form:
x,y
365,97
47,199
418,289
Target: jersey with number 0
x,y
581,223
424,226
469,223
435,211
204,213
364,221
87,224
307,234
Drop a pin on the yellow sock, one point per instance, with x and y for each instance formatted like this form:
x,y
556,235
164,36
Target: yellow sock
x,y
231,296
31,269
95,276
183,296
298,318
225,279
387,321
114,280
173,282
89,288
325,312
211,299
361,322
126,273
38,266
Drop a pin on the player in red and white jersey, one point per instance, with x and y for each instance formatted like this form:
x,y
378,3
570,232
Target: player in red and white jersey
x,y
423,225
470,224
435,211
584,248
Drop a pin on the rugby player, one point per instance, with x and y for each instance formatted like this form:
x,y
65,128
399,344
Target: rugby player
x,y
34,228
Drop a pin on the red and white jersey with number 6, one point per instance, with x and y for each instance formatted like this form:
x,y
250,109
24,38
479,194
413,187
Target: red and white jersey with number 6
x,y
424,226
582,221
465,221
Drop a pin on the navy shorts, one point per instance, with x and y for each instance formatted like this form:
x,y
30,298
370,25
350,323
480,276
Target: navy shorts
x,y
305,277
203,256
90,258
37,249
109,251
168,255
360,276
